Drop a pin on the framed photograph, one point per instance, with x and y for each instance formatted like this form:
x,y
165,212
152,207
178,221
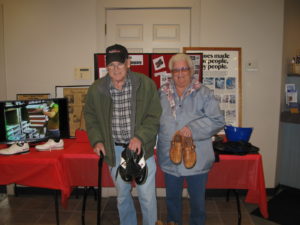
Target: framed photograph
x,y
76,99
33,96
222,74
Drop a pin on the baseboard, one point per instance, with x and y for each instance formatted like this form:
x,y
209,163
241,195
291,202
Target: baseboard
x,y
106,192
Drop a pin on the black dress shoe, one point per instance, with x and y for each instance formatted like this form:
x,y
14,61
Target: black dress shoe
x,y
142,171
123,167
133,166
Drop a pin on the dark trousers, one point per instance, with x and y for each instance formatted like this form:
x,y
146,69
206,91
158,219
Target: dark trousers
x,y
53,134
196,189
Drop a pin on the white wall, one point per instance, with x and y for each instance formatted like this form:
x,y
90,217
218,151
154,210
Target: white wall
x,y
46,39
2,62
257,27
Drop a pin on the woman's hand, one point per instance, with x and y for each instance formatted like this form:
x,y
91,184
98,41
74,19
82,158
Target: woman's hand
x,y
185,131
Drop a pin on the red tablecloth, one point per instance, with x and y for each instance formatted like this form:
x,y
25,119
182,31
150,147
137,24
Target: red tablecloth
x,y
232,172
37,169
241,172
77,165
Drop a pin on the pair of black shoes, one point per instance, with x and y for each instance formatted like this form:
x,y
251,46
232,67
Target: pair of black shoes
x,y
133,167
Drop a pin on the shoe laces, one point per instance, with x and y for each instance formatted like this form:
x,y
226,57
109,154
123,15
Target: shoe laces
x,y
20,143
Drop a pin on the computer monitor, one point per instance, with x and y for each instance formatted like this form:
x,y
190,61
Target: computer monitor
x,y
27,120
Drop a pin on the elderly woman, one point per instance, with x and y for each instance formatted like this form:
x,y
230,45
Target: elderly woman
x,y
191,116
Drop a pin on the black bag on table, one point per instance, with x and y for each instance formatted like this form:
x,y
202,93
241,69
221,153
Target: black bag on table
x,y
235,148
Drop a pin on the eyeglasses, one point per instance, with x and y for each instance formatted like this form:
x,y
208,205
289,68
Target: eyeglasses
x,y
180,70
115,66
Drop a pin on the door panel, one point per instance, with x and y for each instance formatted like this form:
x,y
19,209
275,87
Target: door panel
x,y
149,30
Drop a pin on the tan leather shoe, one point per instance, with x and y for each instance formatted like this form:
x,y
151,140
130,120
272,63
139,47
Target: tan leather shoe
x,y
176,148
189,154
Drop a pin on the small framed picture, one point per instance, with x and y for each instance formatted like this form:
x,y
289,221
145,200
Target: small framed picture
x,y
290,88
76,98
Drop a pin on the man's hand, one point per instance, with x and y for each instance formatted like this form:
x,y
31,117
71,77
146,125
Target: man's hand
x,y
99,147
135,145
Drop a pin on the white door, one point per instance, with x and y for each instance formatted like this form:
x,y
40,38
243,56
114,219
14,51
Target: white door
x,y
149,30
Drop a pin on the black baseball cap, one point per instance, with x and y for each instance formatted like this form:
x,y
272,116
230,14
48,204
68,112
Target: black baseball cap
x,y
116,53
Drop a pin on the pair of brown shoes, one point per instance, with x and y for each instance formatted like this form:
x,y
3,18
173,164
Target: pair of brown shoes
x,y
183,148
161,223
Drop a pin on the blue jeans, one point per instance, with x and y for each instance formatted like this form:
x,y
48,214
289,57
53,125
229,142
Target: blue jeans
x,y
196,190
146,194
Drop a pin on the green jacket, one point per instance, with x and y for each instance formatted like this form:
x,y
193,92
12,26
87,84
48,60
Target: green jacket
x,y
146,111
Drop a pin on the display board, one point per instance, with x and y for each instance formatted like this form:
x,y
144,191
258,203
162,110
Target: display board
x,y
160,72
222,73
153,65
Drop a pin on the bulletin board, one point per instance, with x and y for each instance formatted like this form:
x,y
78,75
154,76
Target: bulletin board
x,y
76,99
222,74
153,65
160,71
138,63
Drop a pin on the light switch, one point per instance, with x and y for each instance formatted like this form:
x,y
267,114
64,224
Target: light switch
x,y
83,73
251,66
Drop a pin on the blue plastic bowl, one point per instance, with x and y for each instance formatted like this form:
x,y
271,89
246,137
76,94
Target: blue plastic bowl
x,y
238,133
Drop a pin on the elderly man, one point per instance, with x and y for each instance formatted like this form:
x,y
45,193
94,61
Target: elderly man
x,y
123,109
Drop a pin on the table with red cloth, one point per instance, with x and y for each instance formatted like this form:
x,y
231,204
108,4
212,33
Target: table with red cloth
x,y
37,169
77,165
231,172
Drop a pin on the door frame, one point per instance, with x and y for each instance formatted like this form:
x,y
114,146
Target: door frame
x,y
103,5
3,85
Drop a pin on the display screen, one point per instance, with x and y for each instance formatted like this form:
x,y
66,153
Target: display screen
x,y
33,120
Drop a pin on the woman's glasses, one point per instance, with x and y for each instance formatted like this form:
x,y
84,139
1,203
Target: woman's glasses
x,y
180,70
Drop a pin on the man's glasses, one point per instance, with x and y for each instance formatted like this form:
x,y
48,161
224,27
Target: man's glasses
x,y
115,66
180,70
